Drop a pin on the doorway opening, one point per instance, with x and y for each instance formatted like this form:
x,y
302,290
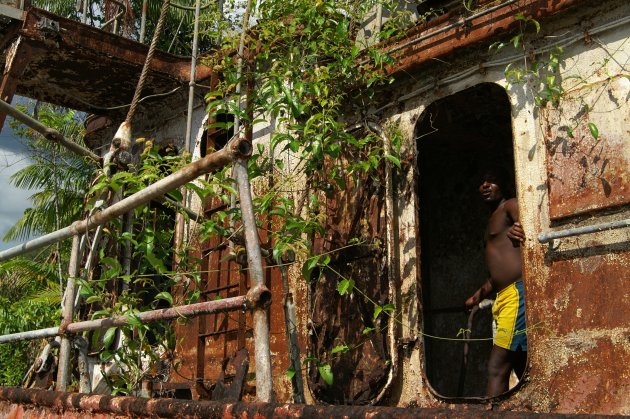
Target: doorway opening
x,y
457,137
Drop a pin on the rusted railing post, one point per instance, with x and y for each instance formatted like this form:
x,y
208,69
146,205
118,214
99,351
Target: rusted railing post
x,y
264,382
67,313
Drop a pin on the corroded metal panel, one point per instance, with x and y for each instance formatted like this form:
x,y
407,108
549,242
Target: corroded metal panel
x,y
588,154
359,375
578,328
456,30
91,70
588,291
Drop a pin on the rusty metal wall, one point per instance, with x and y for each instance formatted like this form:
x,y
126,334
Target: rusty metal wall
x,y
576,288
588,156
356,213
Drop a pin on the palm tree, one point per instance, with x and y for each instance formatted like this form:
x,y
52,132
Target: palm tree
x,y
59,177
30,286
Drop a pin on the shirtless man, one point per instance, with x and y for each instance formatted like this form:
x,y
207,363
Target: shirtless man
x,y
503,258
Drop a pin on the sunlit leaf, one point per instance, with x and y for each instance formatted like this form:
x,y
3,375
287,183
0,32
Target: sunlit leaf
x,y
326,372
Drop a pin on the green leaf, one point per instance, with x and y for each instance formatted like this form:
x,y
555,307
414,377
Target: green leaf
x,y
134,320
367,330
100,313
389,307
594,130
393,159
536,24
109,337
93,299
165,295
326,372
309,265
345,286
175,195
158,264
377,311
290,373
340,349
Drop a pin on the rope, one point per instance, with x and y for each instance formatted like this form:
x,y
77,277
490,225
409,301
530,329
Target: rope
x,y
147,62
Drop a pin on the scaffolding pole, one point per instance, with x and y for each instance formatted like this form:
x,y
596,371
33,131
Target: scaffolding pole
x,y
67,313
236,148
187,311
48,133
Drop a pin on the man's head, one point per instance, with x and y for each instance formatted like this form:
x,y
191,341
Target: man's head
x,y
495,184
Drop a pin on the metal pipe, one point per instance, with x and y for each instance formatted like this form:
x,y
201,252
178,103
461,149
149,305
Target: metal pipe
x,y
446,28
67,314
187,311
570,232
143,20
290,324
264,380
85,9
237,147
180,224
392,255
85,381
105,405
191,82
48,133
378,23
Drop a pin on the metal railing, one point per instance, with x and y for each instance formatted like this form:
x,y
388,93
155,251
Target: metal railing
x,y
237,151
257,299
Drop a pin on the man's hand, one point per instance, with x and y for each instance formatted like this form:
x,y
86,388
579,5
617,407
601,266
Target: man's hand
x,y
479,295
473,300
516,234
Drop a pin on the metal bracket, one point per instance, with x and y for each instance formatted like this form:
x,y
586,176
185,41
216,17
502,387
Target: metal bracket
x,y
47,25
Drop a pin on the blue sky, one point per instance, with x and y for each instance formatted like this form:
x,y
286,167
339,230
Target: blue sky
x,y
13,201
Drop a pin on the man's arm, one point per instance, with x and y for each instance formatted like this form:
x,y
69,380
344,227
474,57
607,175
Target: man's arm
x,y
480,294
515,232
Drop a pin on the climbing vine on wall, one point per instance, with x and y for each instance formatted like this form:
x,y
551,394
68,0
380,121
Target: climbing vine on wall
x,y
307,75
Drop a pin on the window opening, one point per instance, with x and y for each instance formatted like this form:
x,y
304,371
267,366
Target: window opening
x,y
457,138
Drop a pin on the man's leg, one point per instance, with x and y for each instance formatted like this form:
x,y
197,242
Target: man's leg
x,y
499,368
519,362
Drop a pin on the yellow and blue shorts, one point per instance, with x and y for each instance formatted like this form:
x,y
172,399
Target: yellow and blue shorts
x,y
509,314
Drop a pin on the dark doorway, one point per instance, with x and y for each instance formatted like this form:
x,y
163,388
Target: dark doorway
x,y
456,138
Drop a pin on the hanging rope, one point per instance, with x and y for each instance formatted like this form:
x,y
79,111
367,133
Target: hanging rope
x,y
147,62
